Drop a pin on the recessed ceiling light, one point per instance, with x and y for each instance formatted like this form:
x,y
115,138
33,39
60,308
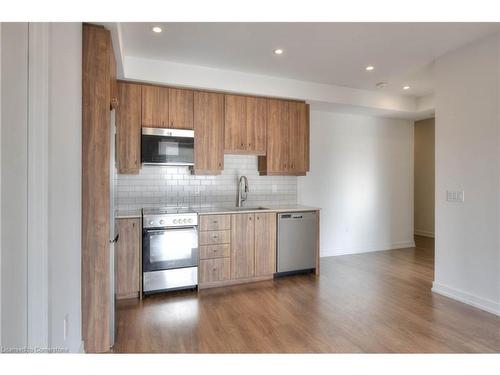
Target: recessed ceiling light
x,y
406,87
381,85
370,67
278,51
157,29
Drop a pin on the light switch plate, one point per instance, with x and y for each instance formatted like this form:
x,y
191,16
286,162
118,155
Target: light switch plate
x,y
455,196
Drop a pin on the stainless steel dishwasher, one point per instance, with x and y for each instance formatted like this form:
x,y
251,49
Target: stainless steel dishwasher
x,y
297,241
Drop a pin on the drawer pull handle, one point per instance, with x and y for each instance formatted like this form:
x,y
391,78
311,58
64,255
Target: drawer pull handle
x,y
214,222
214,237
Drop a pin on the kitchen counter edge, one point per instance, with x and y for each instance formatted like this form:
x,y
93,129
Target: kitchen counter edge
x,y
225,211
131,214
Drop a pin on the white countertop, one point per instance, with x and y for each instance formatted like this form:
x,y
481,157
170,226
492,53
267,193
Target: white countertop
x,y
128,214
218,210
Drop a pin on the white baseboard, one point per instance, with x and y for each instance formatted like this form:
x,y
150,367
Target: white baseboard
x,y
369,249
423,233
469,299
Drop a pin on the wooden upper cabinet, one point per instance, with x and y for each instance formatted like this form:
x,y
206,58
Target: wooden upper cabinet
x,y
242,246
180,109
128,128
301,162
235,124
277,137
154,106
256,124
287,139
245,125
208,133
298,150
164,107
265,243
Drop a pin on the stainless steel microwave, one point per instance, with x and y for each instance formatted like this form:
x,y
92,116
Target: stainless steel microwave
x,y
167,146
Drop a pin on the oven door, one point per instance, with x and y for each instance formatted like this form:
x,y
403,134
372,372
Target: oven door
x,y
167,146
168,248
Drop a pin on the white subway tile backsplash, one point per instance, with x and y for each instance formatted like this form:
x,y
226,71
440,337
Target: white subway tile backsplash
x,y
161,185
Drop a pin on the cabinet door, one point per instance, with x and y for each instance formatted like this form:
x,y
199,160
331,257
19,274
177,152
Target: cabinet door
x,y
180,109
128,128
242,246
294,141
154,106
208,133
214,270
301,158
127,255
265,244
256,125
298,150
277,139
235,124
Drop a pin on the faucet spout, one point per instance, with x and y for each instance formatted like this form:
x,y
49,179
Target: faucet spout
x,y
242,197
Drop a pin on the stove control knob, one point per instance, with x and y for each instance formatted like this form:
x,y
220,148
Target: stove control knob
x,y
162,222
151,222
190,220
175,221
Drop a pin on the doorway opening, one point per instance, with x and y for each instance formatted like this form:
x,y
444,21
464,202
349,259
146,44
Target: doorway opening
x,y
424,183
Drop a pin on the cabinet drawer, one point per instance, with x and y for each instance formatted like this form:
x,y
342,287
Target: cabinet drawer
x,y
214,270
215,237
215,222
214,251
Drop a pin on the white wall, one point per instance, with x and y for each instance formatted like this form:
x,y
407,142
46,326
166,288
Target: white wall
x,y
424,177
65,184
468,158
362,179
20,315
233,81
14,184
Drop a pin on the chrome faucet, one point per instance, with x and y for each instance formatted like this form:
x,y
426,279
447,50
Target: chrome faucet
x,y
242,198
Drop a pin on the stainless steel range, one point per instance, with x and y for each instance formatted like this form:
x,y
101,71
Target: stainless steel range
x,y
169,249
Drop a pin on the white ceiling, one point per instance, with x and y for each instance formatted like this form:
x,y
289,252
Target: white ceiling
x,y
331,53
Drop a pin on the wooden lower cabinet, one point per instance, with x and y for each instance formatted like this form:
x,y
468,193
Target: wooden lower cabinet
x,y
265,244
214,237
215,251
242,246
215,222
128,258
214,270
244,251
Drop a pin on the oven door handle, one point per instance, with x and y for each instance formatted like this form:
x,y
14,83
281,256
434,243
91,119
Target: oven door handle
x,y
171,228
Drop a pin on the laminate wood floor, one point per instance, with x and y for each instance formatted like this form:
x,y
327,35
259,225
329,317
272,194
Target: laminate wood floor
x,y
378,302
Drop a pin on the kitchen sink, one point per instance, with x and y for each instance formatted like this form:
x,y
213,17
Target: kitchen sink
x,y
247,208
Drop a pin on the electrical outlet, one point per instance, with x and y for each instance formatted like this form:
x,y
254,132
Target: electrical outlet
x,y
454,196
65,327
275,188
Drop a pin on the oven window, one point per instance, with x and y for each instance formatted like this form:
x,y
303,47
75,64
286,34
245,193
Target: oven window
x,y
170,248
